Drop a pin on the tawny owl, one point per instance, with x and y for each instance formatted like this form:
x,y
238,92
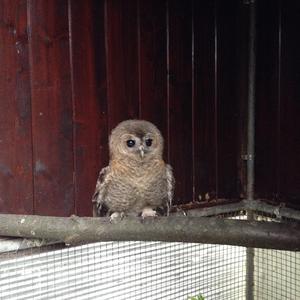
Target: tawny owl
x,y
137,180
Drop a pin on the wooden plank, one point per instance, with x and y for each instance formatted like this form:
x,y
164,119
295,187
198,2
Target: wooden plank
x,y
122,60
267,100
290,104
153,64
204,113
227,102
16,189
89,98
51,107
180,97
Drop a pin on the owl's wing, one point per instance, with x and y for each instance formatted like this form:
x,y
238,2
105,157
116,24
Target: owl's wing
x,y
170,187
100,191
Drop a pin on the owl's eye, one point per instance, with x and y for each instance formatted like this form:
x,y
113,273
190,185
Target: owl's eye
x,y
130,143
148,142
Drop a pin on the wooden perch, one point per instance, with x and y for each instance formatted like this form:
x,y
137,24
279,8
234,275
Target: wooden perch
x,y
75,230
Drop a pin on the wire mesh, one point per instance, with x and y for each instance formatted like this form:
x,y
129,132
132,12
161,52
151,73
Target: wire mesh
x,y
276,273
127,270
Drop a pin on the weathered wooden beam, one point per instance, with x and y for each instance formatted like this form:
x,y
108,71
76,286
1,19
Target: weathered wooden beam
x,y
75,230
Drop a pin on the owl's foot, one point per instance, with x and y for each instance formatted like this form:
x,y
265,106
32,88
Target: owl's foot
x,y
116,216
148,212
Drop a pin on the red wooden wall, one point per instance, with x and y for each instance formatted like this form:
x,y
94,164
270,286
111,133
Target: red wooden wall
x,y
278,101
71,70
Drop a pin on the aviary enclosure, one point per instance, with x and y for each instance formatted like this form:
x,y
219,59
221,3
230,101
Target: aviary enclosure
x,y
220,79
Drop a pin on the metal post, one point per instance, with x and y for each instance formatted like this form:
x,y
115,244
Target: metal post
x,y
249,266
251,104
251,141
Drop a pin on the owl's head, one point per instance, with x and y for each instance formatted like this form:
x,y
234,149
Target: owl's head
x,y
136,140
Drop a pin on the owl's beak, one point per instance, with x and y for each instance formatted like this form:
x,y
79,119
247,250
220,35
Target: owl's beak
x,y
142,152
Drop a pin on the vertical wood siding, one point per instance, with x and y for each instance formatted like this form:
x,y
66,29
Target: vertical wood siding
x,y
72,70
52,109
278,105
152,37
267,99
89,98
16,177
180,96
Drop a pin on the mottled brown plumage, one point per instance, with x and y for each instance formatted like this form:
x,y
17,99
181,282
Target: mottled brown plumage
x,y
137,180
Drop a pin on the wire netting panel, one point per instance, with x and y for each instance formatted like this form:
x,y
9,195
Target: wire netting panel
x,y
276,272
276,275
127,270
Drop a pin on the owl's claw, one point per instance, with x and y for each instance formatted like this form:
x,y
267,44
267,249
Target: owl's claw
x,y
116,216
148,212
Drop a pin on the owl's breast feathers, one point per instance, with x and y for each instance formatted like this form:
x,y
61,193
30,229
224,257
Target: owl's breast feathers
x,y
133,187
122,187
140,178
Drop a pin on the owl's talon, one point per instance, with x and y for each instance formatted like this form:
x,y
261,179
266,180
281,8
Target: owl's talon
x,y
148,212
116,216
